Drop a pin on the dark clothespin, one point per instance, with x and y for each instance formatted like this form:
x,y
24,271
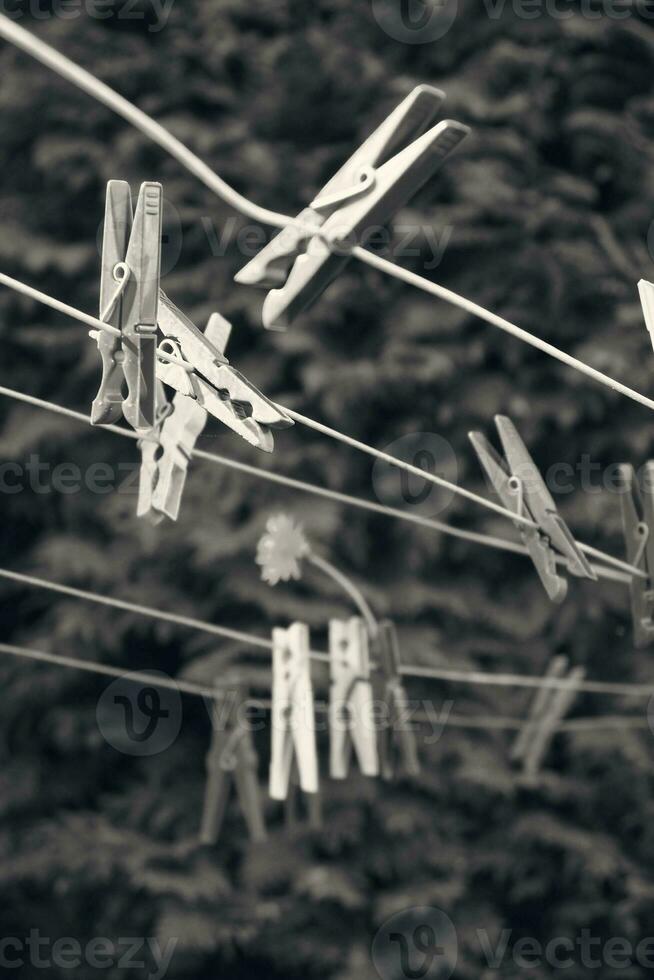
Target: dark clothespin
x,y
293,712
378,180
638,526
520,487
129,296
397,744
351,709
312,801
231,757
548,708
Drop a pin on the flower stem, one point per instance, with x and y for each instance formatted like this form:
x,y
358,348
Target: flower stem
x,y
349,587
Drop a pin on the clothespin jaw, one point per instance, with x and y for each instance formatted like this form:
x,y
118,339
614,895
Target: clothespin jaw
x,y
397,744
351,710
365,193
521,489
231,756
638,526
218,387
293,720
313,805
549,707
150,446
129,294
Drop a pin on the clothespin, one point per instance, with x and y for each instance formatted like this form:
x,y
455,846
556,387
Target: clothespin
x,y
129,296
293,721
646,292
378,180
202,372
351,715
291,805
520,487
231,756
150,446
397,744
549,707
638,526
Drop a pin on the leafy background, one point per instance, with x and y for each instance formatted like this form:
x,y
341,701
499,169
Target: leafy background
x,y
549,204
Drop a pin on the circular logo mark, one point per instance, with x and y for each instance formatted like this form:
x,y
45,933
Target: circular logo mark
x,y
408,491
415,21
137,718
416,944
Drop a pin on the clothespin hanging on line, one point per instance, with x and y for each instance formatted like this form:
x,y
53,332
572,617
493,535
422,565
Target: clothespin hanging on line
x,y
351,710
231,757
638,525
293,713
132,301
378,180
520,487
548,708
313,805
397,744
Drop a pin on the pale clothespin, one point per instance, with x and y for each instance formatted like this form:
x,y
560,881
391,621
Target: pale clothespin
x,y
548,708
293,718
397,744
378,180
202,372
638,525
232,757
150,447
351,709
646,292
520,487
129,297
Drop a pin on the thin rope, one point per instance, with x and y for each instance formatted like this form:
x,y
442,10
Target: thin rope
x,y
214,692
88,83
487,540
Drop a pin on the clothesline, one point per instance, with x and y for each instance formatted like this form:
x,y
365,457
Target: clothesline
x,y
624,575
251,639
98,90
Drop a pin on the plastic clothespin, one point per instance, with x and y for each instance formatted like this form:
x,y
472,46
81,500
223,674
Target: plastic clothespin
x,y
638,526
150,447
549,706
351,710
520,487
231,756
217,387
129,297
293,719
397,744
378,180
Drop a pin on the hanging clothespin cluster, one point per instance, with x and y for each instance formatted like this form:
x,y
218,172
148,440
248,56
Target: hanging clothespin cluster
x,y
397,743
378,180
548,708
231,759
521,488
638,525
351,708
193,364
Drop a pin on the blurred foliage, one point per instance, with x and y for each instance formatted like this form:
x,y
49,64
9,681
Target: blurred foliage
x,y
546,212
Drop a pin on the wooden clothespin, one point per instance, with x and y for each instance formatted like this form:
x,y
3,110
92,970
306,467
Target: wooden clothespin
x,y
129,297
520,487
313,802
397,744
293,717
351,711
204,374
378,180
548,708
231,757
638,526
